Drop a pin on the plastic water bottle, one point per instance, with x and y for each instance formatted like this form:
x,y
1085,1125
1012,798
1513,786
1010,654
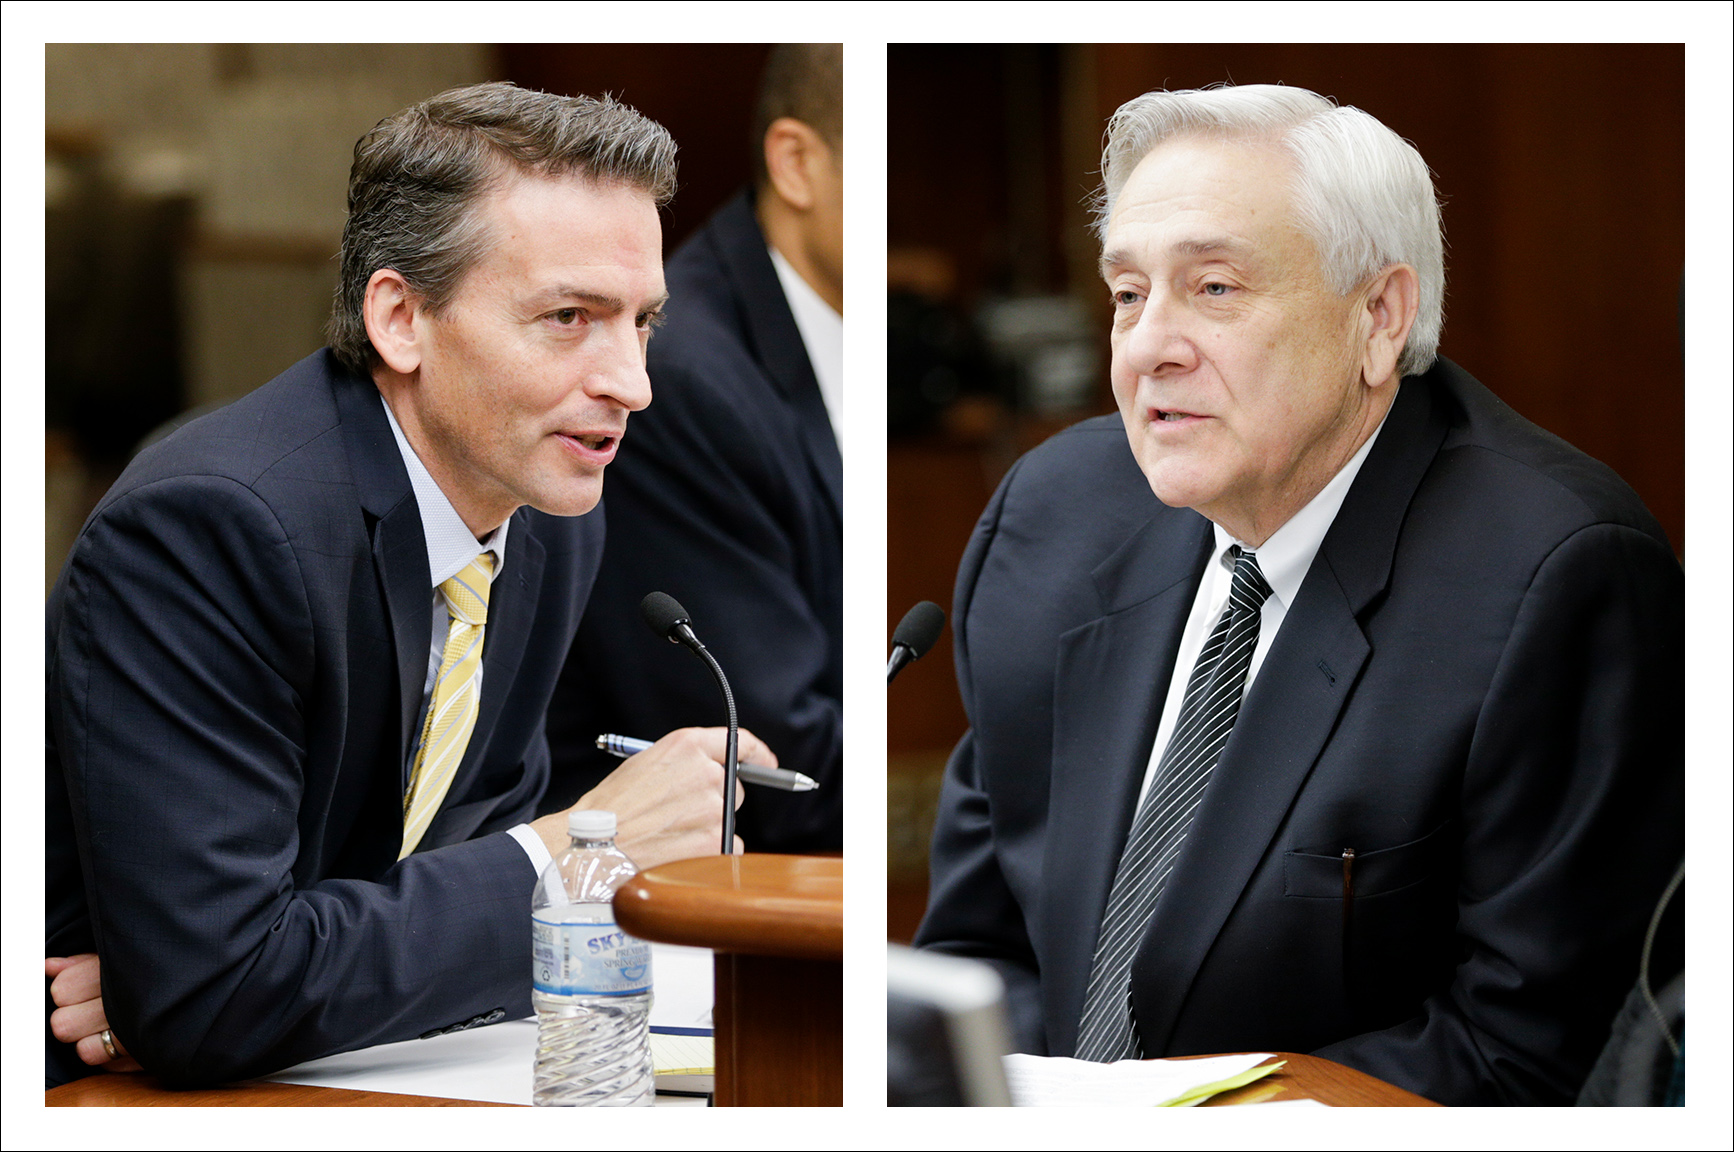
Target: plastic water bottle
x,y
591,980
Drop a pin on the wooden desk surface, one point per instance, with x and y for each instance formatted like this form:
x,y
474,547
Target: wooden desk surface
x,y
1302,1078
1315,1078
137,1090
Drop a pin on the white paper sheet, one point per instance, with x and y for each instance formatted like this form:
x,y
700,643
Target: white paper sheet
x,y
496,1063
685,986
1058,1081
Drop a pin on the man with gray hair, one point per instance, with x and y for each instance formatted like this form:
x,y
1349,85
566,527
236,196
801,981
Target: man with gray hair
x,y
1319,703
300,657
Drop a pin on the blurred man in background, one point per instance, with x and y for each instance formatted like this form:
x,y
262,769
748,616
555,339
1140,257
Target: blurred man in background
x,y
729,495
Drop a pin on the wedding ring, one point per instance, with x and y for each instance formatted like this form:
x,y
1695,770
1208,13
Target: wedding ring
x,y
107,1038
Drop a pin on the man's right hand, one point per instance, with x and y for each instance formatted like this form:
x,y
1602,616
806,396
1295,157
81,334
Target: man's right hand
x,y
667,799
78,1017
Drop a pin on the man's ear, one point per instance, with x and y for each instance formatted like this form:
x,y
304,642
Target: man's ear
x,y
390,312
793,150
1392,300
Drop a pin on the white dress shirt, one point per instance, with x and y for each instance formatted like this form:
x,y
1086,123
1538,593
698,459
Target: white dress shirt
x,y
1284,559
450,548
821,328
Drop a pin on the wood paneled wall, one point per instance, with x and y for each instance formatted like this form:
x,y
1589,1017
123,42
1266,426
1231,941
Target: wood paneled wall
x,y
702,93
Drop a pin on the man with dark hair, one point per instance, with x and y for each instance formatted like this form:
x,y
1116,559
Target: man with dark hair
x,y
729,495
1318,702
299,659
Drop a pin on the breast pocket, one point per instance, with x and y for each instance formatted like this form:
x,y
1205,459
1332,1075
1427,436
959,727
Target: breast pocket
x,y
1317,873
1391,919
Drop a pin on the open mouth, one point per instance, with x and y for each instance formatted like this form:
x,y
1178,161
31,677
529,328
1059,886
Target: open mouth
x,y
1172,415
594,447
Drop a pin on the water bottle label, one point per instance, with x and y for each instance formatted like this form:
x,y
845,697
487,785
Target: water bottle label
x,y
595,959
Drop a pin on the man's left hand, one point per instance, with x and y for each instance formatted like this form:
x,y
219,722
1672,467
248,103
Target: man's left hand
x,y
78,1017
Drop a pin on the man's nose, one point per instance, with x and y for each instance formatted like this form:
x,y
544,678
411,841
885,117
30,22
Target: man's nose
x,y
619,373
1161,341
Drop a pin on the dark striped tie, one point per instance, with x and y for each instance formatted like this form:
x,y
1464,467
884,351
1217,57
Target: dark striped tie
x,y
1106,1031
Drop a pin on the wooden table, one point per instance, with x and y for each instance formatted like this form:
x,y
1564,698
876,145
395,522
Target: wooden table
x,y
776,924
137,1090
1302,1078
1315,1078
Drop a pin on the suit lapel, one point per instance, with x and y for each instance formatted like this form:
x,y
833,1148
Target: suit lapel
x,y
1110,678
1286,719
399,546
400,558
776,339
1283,724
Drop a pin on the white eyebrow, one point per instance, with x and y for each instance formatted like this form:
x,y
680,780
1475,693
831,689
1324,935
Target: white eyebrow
x,y
1204,246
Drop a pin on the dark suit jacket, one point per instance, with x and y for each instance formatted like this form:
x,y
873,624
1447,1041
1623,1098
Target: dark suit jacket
x,y
236,653
727,495
1477,689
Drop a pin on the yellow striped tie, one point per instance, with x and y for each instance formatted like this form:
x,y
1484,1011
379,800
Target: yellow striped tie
x,y
451,714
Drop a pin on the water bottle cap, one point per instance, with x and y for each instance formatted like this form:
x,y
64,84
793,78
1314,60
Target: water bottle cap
x,y
590,824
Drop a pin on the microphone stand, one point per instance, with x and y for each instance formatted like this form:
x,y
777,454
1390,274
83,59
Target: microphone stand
x,y
668,619
731,761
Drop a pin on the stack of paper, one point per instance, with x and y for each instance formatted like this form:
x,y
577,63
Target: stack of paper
x,y
1045,1081
685,1060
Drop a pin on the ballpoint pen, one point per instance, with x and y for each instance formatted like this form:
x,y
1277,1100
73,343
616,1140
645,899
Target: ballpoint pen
x,y
624,746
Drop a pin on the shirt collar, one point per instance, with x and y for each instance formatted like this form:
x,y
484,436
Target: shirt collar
x,y
1285,557
821,330
450,544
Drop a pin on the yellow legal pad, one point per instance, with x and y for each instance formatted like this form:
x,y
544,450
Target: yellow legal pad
x,y
684,1064
683,1055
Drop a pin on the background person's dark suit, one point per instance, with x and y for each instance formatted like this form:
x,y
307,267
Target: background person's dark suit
x,y
1478,689
236,655
727,495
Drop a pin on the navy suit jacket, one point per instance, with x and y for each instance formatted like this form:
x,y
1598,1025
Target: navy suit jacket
x,y
727,494
236,653
1478,689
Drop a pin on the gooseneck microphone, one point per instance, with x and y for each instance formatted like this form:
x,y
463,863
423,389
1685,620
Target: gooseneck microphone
x,y
915,635
668,619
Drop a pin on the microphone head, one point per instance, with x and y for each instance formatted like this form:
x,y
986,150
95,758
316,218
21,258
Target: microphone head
x,y
664,614
919,628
